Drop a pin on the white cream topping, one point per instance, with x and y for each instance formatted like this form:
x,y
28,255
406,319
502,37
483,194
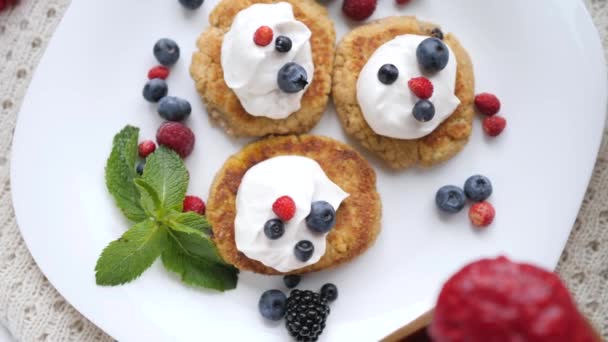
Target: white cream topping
x,y
388,108
305,182
251,70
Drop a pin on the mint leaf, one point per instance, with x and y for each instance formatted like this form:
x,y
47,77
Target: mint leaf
x,y
189,223
128,257
120,172
166,173
148,197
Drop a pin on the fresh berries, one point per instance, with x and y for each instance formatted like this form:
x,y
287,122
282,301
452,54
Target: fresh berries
x,y
359,9
482,214
273,305
433,55
146,148
450,199
166,51
329,291
173,108
424,111
263,36
437,33
402,2
140,167
487,104
282,44
160,71
292,280
421,87
155,89
388,74
499,300
177,137
194,204
306,315
322,217
478,188
494,125
191,4
304,250
274,229
292,78
284,207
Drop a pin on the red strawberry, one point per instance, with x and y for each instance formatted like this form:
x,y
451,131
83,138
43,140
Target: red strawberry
x,y
487,103
421,87
263,36
177,137
482,214
284,207
194,204
359,9
160,71
146,148
494,125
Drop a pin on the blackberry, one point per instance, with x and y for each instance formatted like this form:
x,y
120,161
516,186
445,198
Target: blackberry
x,y
306,314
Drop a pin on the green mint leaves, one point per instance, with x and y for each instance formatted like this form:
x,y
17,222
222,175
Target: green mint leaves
x,y
154,202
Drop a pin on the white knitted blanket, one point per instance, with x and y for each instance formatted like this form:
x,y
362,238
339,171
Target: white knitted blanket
x,y
31,308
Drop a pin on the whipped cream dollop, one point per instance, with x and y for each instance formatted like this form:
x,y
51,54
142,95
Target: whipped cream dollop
x,y
388,108
251,70
305,182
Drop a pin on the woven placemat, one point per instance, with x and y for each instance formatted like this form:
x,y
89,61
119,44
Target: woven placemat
x,y
31,308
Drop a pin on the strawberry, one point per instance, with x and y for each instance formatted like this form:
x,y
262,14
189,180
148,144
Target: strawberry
x,y
146,148
487,103
194,204
482,214
359,9
421,87
263,36
284,207
160,71
494,125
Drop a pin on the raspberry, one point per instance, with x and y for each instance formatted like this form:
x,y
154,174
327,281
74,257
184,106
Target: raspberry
x,y
421,87
5,4
263,36
284,207
177,137
494,125
487,103
482,214
306,315
359,9
498,300
194,204
160,71
146,148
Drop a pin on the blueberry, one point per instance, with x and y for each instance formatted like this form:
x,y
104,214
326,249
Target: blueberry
x,y
424,110
174,108
388,74
450,199
292,78
155,89
329,291
274,229
272,304
478,188
304,250
166,51
191,4
292,280
140,167
437,33
432,55
282,44
322,217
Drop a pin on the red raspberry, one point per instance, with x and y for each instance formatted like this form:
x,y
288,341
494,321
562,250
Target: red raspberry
x,y
5,4
501,301
494,125
146,148
359,9
263,36
177,137
160,71
284,207
195,204
487,103
421,87
482,214
403,2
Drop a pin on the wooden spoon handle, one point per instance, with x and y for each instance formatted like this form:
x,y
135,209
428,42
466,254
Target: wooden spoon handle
x,y
411,328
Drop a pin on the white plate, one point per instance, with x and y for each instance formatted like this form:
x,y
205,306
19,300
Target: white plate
x,y
543,58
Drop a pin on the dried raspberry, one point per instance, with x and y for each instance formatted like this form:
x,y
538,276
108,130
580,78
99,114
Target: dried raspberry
x,y
263,36
284,207
421,87
177,137
482,214
160,71
494,125
146,148
487,103
194,204
359,9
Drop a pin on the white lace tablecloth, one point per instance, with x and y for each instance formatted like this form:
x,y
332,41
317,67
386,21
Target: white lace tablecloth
x,y
32,310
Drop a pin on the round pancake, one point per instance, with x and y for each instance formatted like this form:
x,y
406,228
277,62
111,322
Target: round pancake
x,y
357,218
223,105
445,141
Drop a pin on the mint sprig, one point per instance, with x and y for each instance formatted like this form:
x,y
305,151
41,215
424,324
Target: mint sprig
x,y
154,202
